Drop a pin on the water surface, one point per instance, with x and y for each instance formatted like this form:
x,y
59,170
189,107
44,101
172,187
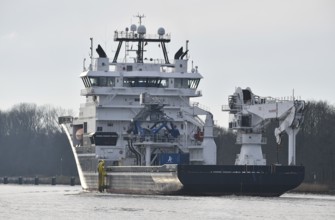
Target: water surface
x,y
70,202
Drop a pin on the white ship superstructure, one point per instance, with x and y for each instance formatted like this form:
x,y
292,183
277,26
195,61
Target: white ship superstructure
x,y
113,89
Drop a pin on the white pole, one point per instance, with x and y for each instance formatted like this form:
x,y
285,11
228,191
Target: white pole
x,y
147,155
292,133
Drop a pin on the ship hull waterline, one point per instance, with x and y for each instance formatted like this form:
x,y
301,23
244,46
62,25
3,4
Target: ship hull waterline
x,y
200,180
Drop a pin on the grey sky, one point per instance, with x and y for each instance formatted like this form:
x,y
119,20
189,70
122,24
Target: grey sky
x,y
271,46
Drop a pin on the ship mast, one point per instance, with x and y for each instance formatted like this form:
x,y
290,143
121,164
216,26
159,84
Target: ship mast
x,y
137,34
140,18
140,47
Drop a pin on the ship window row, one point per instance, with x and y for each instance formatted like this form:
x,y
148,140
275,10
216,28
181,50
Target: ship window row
x,y
145,82
98,81
104,81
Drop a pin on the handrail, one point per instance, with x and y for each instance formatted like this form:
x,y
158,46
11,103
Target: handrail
x,y
134,36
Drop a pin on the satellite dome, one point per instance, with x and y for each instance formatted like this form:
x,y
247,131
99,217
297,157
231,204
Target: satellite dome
x,y
161,31
133,27
141,29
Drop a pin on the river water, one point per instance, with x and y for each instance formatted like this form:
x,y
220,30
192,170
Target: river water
x,y
70,202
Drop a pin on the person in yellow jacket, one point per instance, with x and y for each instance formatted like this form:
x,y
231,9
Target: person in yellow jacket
x,y
102,173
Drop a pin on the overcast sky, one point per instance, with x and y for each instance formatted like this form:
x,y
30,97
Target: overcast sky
x,y
272,47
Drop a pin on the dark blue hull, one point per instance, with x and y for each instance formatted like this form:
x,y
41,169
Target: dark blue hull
x,y
239,180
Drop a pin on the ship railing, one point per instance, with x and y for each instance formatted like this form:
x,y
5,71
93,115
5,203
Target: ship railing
x,y
197,104
118,35
234,125
234,107
263,140
157,139
263,100
132,60
238,155
279,99
239,140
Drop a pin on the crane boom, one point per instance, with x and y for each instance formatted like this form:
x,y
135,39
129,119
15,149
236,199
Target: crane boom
x,y
252,113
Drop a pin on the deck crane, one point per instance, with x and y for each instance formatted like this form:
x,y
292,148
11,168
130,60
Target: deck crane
x,y
250,115
153,109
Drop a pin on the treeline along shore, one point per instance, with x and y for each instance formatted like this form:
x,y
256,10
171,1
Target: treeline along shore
x,y
33,144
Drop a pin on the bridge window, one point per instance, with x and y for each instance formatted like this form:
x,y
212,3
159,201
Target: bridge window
x,y
145,82
186,83
105,138
102,81
94,81
129,68
86,82
193,83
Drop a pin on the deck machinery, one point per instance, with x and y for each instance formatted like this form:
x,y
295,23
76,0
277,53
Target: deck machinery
x,y
250,114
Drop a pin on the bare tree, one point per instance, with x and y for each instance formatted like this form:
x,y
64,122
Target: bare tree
x,y
31,142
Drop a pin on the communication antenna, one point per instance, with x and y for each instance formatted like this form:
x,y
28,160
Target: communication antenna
x,y
91,55
126,53
187,56
140,18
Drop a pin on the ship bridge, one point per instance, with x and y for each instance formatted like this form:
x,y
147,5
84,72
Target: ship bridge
x,y
107,76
